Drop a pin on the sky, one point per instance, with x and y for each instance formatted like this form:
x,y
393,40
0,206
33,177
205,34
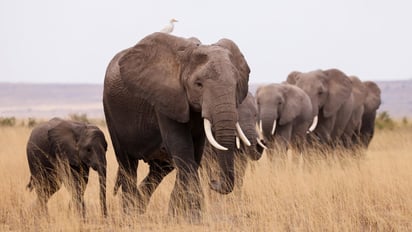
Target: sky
x,y
73,41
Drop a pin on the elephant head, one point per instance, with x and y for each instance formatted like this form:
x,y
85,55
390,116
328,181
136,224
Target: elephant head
x,y
247,112
280,104
371,105
181,77
328,91
80,145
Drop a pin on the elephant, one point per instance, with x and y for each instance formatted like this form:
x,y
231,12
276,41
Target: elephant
x,y
371,105
285,114
330,93
359,93
61,151
162,98
247,113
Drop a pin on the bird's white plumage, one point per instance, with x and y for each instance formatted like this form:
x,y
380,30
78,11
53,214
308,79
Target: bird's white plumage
x,y
169,28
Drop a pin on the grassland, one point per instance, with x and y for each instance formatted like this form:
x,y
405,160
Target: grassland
x,y
369,194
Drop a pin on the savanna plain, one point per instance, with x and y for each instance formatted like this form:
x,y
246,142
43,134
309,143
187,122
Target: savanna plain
x,y
333,193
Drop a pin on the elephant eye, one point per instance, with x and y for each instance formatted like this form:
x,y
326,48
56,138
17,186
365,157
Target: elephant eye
x,y
89,150
199,84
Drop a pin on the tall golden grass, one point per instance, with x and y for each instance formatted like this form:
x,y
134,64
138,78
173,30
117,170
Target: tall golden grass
x,y
329,194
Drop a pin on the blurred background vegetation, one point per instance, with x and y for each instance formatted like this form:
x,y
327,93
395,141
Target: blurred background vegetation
x,y
31,122
383,121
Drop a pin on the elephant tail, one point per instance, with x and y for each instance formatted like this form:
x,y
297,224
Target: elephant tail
x,y
30,184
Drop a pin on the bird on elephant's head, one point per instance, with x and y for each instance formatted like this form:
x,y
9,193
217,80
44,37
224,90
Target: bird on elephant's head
x,y
330,92
173,92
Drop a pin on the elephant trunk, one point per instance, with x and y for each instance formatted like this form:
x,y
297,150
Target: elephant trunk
x,y
102,182
254,151
268,121
224,128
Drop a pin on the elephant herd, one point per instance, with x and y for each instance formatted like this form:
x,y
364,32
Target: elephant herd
x,y
321,107
167,99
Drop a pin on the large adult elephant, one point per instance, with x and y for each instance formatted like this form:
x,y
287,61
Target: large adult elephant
x,y
60,151
330,93
285,114
371,105
247,113
161,98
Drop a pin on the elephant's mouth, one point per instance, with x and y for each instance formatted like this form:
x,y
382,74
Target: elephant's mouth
x,y
214,143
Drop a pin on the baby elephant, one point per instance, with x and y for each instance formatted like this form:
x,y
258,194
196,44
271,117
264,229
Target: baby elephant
x,y
60,151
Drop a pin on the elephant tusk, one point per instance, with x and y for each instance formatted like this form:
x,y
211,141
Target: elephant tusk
x,y
237,142
209,136
259,132
314,124
274,127
261,144
242,135
260,126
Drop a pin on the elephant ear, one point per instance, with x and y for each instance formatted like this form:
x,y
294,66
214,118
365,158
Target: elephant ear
x,y
293,77
63,139
151,70
258,89
373,98
292,105
239,61
359,92
339,89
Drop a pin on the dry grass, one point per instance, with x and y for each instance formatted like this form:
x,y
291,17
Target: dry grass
x,y
372,194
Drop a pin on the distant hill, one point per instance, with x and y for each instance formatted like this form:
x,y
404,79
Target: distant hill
x,y
49,100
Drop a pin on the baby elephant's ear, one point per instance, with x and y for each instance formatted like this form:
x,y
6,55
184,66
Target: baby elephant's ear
x,y
63,141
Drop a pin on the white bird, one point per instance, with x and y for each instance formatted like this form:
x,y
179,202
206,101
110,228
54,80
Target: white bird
x,y
169,28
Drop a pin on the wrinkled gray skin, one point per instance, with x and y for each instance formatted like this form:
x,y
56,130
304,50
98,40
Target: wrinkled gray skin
x,y
291,107
156,96
359,93
60,151
330,93
247,112
371,105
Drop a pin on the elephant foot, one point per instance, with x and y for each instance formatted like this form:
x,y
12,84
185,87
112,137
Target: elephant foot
x,y
218,187
192,216
142,202
186,207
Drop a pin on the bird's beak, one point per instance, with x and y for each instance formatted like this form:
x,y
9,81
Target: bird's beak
x,y
175,20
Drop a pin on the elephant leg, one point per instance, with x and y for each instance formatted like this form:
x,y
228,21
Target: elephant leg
x,y
241,165
80,178
298,141
187,194
282,138
324,129
45,186
127,178
157,171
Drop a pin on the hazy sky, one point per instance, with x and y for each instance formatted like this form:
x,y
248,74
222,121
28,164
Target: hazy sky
x,y
73,41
